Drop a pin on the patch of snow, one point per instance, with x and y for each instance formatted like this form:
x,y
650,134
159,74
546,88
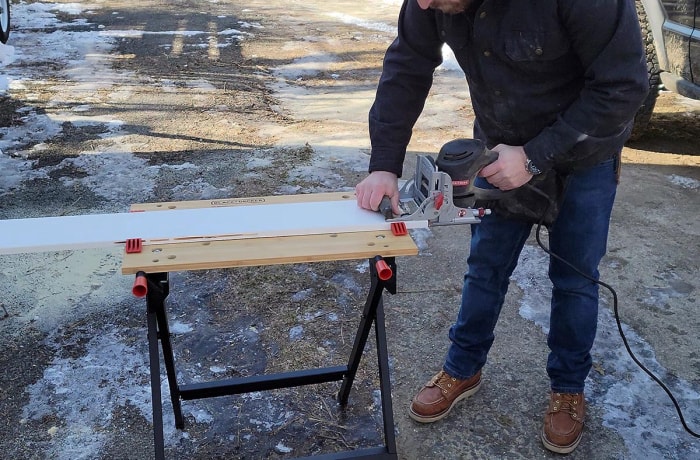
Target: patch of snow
x,y
685,182
632,403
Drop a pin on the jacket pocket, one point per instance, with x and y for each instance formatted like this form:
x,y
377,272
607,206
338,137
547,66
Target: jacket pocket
x,y
525,45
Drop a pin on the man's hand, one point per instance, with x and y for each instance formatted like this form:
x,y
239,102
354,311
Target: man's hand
x,y
508,172
375,187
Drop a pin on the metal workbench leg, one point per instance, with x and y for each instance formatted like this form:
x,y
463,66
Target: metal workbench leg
x,y
369,314
158,330
385,380
154,357
374,313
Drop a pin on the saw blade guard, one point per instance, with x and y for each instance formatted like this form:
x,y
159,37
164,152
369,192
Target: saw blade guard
x,y
428,196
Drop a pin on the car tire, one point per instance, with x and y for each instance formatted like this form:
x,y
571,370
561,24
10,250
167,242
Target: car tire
x,y
643,116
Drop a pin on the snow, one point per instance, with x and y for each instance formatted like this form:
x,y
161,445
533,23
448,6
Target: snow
x,y
632,403
633,407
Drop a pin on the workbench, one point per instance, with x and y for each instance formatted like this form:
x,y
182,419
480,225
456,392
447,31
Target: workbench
x,y
152,263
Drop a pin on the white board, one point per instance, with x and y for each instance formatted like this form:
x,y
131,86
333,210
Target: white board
x,y
269,220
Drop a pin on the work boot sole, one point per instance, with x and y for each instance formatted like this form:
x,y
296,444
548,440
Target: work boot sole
x,y
434,418
560,449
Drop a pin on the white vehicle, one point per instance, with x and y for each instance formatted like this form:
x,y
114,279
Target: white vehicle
x,y
4,20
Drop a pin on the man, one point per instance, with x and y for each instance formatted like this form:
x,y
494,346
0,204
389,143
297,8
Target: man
x,y
554,86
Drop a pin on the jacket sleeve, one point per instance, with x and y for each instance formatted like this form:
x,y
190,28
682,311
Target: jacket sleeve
x,y
606,36
406,79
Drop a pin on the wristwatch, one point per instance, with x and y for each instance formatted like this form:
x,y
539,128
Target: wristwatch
x,y
531,168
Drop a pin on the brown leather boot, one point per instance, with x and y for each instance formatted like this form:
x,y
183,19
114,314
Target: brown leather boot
x,y
563,422
435,400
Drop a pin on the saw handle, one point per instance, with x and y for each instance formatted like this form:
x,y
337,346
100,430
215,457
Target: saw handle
x,y
462,160
487,192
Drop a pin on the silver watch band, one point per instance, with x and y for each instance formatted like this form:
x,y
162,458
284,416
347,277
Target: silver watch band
x,y
531,167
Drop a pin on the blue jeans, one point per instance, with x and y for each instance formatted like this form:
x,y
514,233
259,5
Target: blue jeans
x,y
579,235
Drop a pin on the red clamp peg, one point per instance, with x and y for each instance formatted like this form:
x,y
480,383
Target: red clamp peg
x,y
384,271
134,245
140,288
399,228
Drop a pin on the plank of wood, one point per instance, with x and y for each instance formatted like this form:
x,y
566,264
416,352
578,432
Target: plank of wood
x,y
192,224
158,258
244,201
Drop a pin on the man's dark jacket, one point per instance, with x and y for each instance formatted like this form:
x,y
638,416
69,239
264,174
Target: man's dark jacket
x,y
564,78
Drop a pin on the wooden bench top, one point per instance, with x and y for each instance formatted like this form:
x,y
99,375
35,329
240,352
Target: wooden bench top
x,y
201,255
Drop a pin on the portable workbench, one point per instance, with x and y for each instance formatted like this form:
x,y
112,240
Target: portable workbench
x,y
152,263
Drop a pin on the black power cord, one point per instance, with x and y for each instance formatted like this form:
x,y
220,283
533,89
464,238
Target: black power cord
x,y
615,311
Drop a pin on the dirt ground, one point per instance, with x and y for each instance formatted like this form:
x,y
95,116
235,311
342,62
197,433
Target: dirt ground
x,y
271,97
